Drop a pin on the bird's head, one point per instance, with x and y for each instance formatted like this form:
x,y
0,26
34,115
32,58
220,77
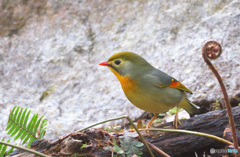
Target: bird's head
x,y
127,63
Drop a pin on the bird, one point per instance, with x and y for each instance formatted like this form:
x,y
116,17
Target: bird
x,y
148,88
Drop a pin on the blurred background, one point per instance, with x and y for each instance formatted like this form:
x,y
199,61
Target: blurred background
x,y
55,46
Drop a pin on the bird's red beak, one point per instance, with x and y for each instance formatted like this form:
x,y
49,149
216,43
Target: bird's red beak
x,y
104,63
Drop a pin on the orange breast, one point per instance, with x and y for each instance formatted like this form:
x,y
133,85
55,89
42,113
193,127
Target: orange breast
x,y
128,85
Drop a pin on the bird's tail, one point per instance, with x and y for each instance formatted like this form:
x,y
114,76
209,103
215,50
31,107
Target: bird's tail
x,y
190,107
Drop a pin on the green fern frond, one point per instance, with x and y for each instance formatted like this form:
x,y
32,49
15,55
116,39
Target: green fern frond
x,y
3,149
42,129
19,127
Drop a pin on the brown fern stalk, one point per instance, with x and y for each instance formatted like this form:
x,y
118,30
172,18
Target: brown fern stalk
x,y
212,50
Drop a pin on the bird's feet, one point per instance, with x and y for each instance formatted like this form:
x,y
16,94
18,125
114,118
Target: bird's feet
x,y
148,126
149,123
176,120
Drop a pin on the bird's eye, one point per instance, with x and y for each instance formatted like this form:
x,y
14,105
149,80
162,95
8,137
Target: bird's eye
x,y
117,62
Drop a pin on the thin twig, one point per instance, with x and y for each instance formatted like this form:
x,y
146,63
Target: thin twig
x,y
212,50
130,121
191,132
157,149
140,135
105,121
24,149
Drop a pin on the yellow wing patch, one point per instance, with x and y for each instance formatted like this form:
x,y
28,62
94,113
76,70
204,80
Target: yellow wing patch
x,y
177,85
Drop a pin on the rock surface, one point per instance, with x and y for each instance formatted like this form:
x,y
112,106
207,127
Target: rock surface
x,y
59,44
